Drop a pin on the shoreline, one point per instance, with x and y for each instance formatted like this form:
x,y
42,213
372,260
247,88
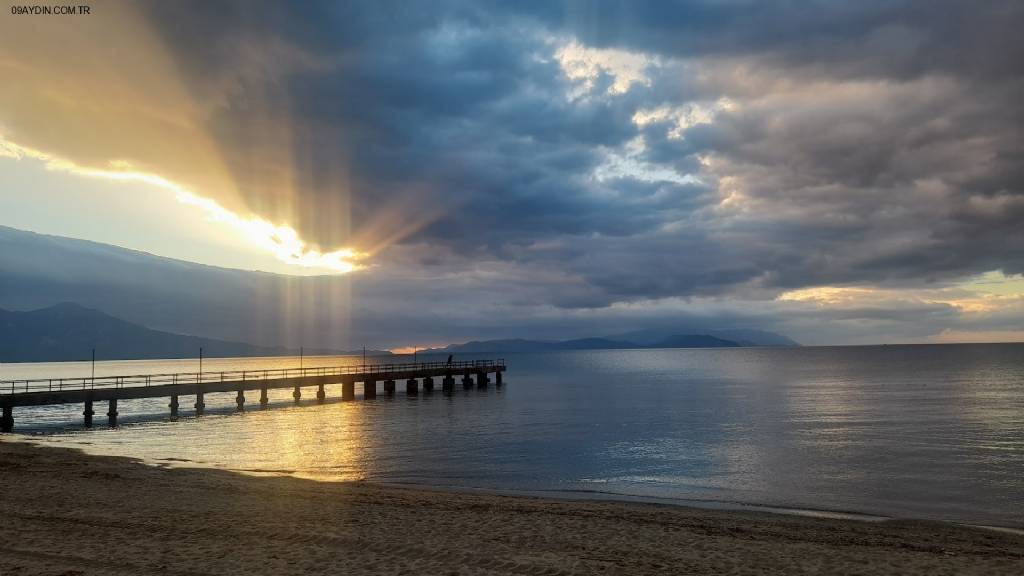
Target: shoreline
x,y
72,513
567,495
721,505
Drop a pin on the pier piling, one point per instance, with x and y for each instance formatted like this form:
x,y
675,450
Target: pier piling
x,y
369,389
389,387
320,394
174,406
348,390
200,405
240,400
411,386
264,400
428,384
481,379
112,412
7,420
297,394
467,381
88,412
448,384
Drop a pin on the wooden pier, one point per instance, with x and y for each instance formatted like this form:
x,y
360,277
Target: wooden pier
x,y
110,389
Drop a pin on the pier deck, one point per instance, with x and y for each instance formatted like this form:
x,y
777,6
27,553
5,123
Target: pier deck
x,y
42,392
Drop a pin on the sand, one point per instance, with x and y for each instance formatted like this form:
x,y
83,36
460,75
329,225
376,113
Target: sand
x,y
67,513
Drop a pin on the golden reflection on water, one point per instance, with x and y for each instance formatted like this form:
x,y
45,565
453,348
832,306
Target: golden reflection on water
x,y
314,445
324,442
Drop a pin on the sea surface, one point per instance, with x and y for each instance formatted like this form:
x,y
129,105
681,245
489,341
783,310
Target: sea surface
x,y
897,431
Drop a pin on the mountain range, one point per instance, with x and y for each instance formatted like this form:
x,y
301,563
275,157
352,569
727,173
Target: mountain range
x,y
250,312
68,332
642,340
654,338
268,310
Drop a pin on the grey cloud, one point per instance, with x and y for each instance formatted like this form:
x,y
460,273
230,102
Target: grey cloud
x,y
897,39
870,143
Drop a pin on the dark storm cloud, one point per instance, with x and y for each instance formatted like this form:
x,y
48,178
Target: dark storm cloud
x,y
463,110
797,143
889,39
873,142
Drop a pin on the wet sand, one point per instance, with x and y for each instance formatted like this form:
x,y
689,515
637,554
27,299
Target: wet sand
x,y
65,513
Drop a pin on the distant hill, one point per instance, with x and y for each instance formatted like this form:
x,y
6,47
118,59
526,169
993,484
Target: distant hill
x,y
67,332
594,344
512,345
744,337
268,311
38,270
519,345
695,341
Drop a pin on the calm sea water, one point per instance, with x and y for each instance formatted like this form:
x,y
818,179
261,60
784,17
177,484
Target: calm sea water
x,y
909,431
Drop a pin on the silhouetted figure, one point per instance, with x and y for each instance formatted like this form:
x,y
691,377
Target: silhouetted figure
x,y
449,360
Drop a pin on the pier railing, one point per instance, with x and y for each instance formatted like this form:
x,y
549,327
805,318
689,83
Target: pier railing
x,y
379,371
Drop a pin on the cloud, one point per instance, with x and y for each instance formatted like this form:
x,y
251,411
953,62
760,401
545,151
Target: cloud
x,y
586,66
576,156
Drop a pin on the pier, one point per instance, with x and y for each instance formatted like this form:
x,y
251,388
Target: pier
x,y
88,391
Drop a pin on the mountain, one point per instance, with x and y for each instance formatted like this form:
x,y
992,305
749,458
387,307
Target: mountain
x,y
594,344
695,341
519,345
481,346
263,309
38,270
745,337
67,331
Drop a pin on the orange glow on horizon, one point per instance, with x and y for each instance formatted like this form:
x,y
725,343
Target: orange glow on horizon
x,y
408,350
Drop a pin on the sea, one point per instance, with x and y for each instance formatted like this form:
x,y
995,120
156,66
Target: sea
x,y
927,432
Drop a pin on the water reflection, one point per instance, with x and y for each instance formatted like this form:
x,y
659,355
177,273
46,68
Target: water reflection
x,y
922,431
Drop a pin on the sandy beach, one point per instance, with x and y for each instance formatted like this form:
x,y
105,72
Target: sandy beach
x,y
65,513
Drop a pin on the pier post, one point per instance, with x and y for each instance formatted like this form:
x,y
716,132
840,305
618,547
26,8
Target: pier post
x,y
467,381
174,406
296,394
87,412
389,387
264,400
428,384
348,390
7,420
112,412
497,378
320,394
481,379
369,389
200,405
448,384
240,400
411,386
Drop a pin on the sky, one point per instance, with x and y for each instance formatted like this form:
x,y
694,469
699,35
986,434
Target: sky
x,y
844,173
